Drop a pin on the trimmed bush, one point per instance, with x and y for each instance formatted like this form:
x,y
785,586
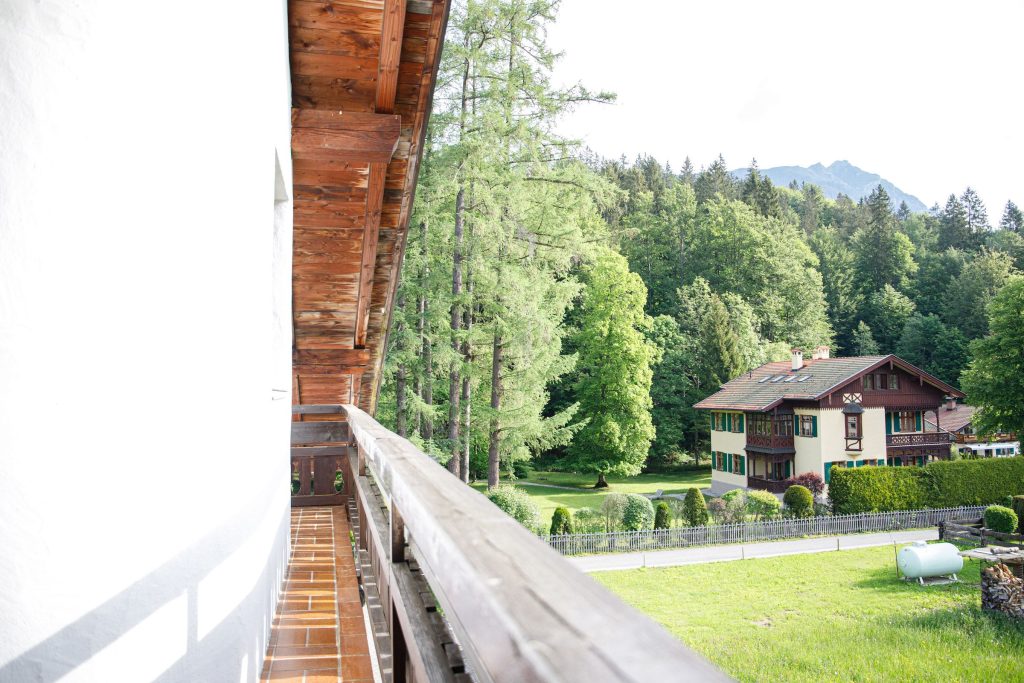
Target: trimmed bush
x,y
1017,505
638,514
875,489
1001,519
763,505
561,522
662,516
516,503
799,501
694,508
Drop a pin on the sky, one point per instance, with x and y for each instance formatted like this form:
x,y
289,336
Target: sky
x,y
926,94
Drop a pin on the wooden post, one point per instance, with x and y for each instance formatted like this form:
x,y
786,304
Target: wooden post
x,y
397,535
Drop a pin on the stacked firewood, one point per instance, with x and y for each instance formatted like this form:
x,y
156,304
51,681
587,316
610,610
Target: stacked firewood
x,y
1001,591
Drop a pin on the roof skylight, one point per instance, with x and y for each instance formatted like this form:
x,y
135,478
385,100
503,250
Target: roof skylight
x,y
803,378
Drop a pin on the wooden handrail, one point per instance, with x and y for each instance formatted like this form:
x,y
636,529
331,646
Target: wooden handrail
x,y
519,611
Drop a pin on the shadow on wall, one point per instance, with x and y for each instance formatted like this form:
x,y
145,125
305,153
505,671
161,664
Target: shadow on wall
x,y
170,594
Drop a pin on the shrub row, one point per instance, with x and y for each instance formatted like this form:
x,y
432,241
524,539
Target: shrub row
x,y
936,485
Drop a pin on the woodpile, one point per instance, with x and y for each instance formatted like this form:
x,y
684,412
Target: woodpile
x,y
1001,591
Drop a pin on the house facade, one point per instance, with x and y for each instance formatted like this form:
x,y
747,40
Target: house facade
x,y
788,418
956,419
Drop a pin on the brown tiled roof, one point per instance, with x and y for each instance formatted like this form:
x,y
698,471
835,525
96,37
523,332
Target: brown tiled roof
x,y
953,420
749,392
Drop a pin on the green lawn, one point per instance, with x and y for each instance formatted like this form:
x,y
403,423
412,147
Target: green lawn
x,y
547,499
828,617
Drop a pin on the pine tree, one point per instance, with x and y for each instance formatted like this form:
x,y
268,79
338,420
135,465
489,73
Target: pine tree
x,y
1013,218
836,263
903,213
686,174
714,181
863,343
954,229
974,209
883,255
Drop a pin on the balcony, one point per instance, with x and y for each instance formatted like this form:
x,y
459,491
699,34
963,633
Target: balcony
x,y
918,439
455,589
770,443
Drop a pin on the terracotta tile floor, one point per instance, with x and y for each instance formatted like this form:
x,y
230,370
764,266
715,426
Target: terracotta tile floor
x,y
318,634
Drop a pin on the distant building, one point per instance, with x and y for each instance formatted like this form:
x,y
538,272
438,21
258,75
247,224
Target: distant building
x,y
787,418
956,419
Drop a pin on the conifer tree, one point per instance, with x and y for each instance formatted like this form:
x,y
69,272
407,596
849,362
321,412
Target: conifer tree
x,y
1013,218
883,255
863,343
954,230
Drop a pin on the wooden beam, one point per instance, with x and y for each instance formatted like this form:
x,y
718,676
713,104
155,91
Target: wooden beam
x,y
329,409
390,55
371,234
349,358
344,136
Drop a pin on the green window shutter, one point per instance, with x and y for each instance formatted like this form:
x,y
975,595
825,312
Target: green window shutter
x,y
714,422
881,463
895,423
814,425
917,420
828,472
796,425
728,462
728,422
743,464
741,422
920,461
888,423
789,471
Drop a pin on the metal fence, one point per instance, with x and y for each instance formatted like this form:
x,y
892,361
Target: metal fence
x,y
746,532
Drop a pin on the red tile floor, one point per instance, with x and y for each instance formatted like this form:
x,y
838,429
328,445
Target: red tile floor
x,y
318,634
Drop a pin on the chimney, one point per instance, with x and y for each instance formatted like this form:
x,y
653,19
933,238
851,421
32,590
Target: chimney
x,y
820,353
950,403
798,358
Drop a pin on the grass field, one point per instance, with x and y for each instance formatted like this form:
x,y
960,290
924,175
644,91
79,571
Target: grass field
x,y
585,495
828,617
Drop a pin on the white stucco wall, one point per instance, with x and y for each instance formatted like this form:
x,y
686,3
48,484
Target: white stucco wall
x,y
808,448
143,462
727,442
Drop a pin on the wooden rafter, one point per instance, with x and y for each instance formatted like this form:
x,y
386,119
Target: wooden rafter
x,y
392,29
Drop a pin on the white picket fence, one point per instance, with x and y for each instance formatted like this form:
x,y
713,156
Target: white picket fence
x,y
745,532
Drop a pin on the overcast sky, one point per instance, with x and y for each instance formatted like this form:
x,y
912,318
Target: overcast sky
x,y
926,94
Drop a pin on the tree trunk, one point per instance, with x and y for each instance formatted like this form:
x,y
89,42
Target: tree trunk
x,y
467,359
601,482
493,450
454,464
427,428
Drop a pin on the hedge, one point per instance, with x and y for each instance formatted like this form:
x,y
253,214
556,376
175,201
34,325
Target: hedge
x,y
936,485
874,489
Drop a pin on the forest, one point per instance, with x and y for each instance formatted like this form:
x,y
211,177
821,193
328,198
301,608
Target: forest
x,y
564,308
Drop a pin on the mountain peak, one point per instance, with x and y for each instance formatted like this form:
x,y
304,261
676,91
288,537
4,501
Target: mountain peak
x,y
839,177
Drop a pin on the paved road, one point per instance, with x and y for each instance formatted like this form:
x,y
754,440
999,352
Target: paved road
x,y
725,553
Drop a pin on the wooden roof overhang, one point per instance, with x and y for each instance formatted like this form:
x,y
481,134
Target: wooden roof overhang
x,y
363,74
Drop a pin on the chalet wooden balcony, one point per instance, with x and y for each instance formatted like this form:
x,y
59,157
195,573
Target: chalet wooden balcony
x,y
918,439
769,485
455,589
770,443
992,438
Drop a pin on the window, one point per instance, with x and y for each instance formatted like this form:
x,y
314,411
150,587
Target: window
x,y
808,425
736,423
739,464
894,382
908,421
784,427
716,421
852,426
882,381
869,382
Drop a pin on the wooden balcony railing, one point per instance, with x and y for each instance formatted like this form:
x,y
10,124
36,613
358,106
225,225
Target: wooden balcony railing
x,y
515,608
770,485
919,439
318,451
770,441
991,438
